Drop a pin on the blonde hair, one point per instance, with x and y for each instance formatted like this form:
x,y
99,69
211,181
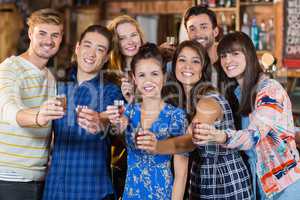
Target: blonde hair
x,y
46,16
116,58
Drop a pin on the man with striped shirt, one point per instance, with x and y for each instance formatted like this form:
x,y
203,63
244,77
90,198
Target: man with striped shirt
x,y
27,107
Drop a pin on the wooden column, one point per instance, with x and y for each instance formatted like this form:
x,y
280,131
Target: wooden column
x,y
11,25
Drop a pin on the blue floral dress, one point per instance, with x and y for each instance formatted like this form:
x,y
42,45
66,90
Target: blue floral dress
x,y
149,176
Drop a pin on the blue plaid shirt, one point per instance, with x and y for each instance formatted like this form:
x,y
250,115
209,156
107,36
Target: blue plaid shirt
x,y
80,166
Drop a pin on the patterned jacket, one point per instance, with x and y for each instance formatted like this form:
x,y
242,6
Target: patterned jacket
x,y
271,134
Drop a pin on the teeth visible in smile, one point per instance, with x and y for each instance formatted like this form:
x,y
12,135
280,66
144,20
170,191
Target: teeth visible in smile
x,y
46,47
88,61
149,88
231,67
130,48
201,40
187,74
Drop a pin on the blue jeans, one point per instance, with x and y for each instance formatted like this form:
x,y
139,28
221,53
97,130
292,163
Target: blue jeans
x,y
21,190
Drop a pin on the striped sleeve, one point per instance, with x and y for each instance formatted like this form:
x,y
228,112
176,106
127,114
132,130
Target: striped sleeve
x,y
10,101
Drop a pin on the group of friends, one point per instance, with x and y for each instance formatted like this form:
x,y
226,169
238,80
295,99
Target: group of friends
x,y
208,124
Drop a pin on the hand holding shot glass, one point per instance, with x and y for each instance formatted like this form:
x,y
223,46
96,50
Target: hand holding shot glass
x,y
146,140
206,134
116,116
127,86
171,40
88,119
63,101
51,109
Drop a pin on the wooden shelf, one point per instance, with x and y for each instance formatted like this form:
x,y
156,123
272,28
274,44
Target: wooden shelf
x,y
221,9
261,52
291,73
256,3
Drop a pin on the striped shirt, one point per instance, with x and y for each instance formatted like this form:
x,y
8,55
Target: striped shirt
x,y
24,151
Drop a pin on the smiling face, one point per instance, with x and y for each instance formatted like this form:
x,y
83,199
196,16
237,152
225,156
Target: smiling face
x,y
91,54
200,28
188,69
234,64
45,40
149,77
129,39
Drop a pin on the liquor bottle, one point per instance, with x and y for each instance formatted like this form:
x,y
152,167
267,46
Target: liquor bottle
x,y
223,24
221,3
254,33
270,37
212,3
228,3
232,23
202,2
262,37
245,25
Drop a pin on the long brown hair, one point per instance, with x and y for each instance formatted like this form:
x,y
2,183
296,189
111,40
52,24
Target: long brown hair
x,y
203,86
117,60
239,41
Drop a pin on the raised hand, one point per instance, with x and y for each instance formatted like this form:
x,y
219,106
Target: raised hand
x,y
127,88
147,141
205,133
89,120
50,110
113,114
116,119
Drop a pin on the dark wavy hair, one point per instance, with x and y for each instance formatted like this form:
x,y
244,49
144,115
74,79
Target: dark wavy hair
x,y
198,10
239,41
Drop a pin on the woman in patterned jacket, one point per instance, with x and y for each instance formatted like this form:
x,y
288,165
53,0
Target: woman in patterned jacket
x,y
267,134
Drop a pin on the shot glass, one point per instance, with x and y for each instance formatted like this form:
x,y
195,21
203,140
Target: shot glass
x,y
63,100
120,105
171,40
127,74
139,132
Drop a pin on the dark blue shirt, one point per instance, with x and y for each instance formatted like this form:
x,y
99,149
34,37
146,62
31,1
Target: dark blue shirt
x,y
80,166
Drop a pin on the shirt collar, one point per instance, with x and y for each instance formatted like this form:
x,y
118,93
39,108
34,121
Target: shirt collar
x,y
73,77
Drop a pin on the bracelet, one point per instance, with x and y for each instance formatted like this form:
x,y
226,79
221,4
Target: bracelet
x,y
36,119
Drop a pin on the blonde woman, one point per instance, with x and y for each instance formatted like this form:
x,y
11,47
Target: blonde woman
x,y
127,40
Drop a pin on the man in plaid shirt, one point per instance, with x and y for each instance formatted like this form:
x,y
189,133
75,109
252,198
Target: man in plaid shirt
x,y
80,166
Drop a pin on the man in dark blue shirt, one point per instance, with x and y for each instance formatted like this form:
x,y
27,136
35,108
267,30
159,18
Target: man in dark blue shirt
x,y
80,165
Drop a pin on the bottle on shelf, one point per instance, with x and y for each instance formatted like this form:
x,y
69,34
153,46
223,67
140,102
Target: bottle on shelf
x,y
262,37
255,33
212,3
228,3
221,3
245,25
223,23
270,37
202,2
232,23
